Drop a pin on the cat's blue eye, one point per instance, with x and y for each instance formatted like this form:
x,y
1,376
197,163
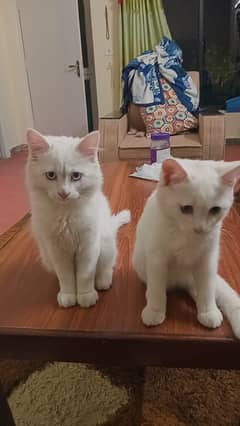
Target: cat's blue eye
x,y
186,209
51,175
215,210
76,176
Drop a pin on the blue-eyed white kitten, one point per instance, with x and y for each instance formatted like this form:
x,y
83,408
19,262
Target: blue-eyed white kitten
x,y
178,240
71,218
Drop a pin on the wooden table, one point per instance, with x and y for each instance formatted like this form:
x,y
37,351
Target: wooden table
x,y
33,326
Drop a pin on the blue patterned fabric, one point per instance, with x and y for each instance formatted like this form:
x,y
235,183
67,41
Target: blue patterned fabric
x,y
141,77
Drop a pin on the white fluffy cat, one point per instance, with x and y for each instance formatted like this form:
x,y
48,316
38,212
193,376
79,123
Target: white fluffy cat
x,y
71,218
177,240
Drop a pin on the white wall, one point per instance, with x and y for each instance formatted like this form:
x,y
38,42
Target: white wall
x,y
106,66
15,110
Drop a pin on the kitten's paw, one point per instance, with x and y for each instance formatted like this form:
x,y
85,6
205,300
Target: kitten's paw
x,y
235,322
103,284
151,317
104,280
211,319
85,300
66,300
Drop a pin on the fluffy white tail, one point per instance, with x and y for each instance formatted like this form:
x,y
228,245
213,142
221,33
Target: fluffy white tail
x,y
120,219
229,302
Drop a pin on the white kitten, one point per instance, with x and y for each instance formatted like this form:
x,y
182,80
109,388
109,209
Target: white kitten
x,y
71,218
177,240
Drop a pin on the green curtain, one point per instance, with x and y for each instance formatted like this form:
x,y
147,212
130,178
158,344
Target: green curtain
x,y
142,25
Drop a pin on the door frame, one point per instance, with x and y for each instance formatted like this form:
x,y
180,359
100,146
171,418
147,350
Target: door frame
x,y
89,73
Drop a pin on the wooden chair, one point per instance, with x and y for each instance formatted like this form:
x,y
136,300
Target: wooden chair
x,y
207,143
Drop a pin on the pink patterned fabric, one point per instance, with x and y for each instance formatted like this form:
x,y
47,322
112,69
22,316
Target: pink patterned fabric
x,y
171,117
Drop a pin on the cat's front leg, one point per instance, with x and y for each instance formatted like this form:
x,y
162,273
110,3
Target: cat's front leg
x,y
86,263
205,275
154,312
62,261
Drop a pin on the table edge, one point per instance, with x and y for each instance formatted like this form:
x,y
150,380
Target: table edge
x,y
111,335
123,349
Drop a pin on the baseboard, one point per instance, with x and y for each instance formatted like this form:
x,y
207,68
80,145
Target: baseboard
x,y
235,141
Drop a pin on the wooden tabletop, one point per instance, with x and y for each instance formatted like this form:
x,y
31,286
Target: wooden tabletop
x,y
33,326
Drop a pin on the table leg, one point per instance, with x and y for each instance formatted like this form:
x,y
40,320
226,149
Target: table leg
x,y
6,418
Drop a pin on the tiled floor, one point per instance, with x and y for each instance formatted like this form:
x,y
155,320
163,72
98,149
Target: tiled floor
x,y
13,196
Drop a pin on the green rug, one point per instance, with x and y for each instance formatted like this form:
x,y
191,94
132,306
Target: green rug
x,y
67,395
70,394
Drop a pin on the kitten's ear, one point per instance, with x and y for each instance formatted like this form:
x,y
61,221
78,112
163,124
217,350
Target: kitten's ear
x,y
36,143
172,172
88,146
231,177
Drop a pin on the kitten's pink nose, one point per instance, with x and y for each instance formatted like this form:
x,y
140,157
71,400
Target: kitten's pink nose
x,y
64,195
